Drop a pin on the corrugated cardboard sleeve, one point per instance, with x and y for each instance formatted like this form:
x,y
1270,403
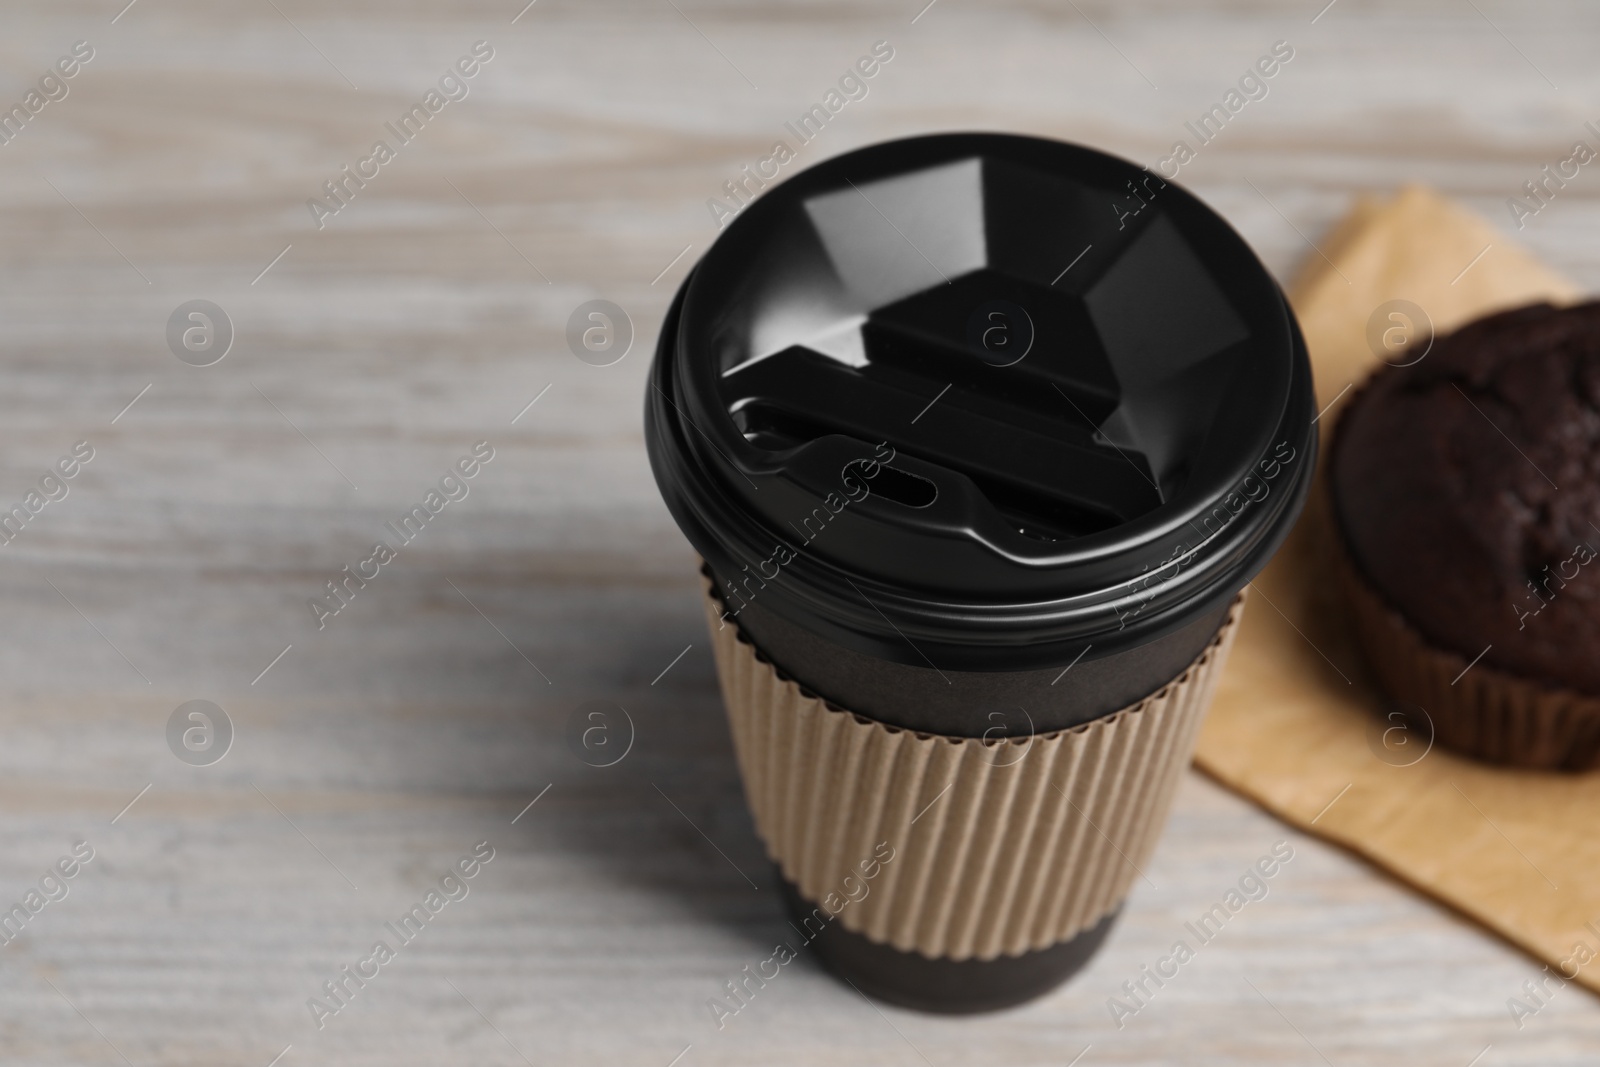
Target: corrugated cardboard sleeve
x,y
999,848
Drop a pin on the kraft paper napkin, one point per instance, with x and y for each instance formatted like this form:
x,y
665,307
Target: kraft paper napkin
x,y
1290,728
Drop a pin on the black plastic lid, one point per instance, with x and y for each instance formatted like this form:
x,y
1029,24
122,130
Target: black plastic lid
x,y
978,400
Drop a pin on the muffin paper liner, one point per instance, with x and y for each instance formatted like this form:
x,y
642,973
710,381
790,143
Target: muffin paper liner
x,y
994,848
1475,709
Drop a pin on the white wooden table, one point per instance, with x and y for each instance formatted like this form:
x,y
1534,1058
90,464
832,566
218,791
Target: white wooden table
x,y
428,713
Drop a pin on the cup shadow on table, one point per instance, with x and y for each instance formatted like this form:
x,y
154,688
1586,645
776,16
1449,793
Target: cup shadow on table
x,y
668,818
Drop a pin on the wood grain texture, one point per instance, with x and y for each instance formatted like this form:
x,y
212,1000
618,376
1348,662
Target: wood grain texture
x,y
423,318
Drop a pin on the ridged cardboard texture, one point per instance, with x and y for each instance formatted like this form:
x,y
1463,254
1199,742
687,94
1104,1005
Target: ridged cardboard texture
x,y
998,848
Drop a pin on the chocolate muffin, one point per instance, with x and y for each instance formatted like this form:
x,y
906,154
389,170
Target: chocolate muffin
x,y
1466,491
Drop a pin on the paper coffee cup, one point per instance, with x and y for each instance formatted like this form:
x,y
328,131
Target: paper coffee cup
x,y
980,437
